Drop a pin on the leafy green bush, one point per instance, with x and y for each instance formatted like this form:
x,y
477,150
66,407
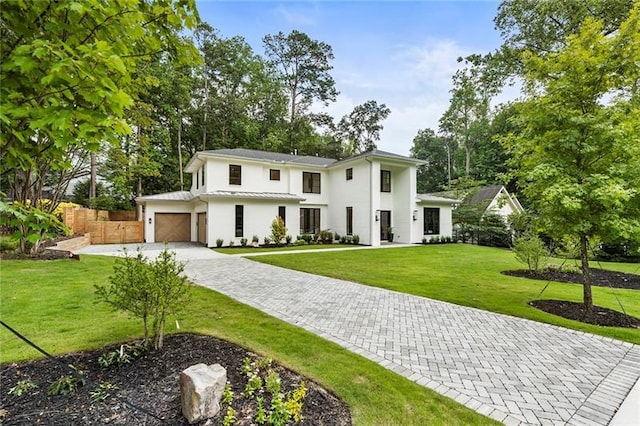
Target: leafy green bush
x,y
288,239
147,290
29,225
22,387
326,236
531,251
278,231
243,242
356,239
219,242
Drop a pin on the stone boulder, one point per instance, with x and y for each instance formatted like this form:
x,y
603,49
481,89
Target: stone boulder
x,y
202,387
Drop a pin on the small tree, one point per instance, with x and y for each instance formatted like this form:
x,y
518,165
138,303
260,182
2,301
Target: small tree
x,y
29,225
278,231
530,250
147,290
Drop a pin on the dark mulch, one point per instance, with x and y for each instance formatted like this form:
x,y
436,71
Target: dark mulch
x,y
599,277
44,253
150,382
576,311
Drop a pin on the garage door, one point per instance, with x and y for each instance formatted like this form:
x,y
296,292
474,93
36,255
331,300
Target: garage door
x,y
173,227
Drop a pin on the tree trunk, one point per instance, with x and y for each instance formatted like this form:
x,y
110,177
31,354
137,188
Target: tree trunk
x,y
92,185
467,164
586,273
180,152
206,108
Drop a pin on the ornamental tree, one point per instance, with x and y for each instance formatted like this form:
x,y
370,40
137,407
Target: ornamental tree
x,y
577,153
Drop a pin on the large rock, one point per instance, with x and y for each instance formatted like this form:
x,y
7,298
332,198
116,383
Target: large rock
x,y
201,387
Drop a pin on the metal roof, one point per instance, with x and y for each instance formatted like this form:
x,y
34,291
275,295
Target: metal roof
x,y
254,195
168,196
382,154
434,199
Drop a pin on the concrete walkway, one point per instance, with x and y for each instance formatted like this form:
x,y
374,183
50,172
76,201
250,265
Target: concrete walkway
x,y
513,370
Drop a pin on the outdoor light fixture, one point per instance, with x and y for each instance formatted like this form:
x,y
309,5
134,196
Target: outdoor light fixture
x,y
377,215
415,215
149,221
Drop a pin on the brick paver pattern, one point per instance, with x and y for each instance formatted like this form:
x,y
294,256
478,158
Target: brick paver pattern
x,y
511,369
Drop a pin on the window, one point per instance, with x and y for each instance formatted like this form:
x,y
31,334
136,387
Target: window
x,y
431,221
309,221
349,220
311,182
202,175
235,174
349,173
385,181
239,221
274,174
282,212
197,179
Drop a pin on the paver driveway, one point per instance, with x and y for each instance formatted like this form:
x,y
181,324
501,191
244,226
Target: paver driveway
x,y
514,370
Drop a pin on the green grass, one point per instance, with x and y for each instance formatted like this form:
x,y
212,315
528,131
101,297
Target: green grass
x,y
465,275
52,303
255,250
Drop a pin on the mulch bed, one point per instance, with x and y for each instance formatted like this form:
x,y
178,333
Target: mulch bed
x,y
44,253
599,277
576,311
150,382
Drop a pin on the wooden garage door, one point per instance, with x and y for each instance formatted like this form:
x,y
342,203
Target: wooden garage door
x,y
173,227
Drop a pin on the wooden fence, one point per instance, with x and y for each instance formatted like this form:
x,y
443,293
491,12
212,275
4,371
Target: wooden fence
x,y
105,227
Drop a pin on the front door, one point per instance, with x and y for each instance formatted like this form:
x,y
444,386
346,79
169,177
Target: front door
x,y
385,223
202,228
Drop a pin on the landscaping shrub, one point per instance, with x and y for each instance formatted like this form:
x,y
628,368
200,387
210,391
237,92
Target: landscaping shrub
x,y
531,251
288,239
278,231
356,239
255,239
243,242
326,236
147,290
307,238
219,242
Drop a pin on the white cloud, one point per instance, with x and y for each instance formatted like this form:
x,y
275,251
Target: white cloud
x,y
297,15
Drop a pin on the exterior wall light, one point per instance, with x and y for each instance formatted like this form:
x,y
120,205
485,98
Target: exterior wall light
x,y
415,215
149,221
377,215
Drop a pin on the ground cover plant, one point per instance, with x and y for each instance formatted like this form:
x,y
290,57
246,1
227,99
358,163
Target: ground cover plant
x,y
466,275
51,302
262,249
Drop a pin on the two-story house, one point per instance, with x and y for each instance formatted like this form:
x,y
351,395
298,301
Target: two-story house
x,y
237,193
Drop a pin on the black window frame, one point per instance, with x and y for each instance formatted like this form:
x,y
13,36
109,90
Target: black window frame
x,y
197,179
349,220
309,220
271,174
282,212
431,221
349,173
311,182
202,177
385,180
239,220
235,175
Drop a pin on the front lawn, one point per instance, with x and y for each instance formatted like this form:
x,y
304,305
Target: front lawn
x,y
52,303
465,275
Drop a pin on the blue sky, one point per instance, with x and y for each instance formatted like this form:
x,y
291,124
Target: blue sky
x,y
401,53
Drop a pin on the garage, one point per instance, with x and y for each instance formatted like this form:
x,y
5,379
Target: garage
x,y
172,227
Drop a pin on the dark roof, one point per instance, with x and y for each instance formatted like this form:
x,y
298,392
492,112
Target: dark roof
x,y
276,157
383,154
486,193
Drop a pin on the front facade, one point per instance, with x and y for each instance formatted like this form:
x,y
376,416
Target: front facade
x,y
237,193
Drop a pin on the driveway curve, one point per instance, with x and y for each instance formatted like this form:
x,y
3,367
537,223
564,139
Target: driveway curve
x,y
511,369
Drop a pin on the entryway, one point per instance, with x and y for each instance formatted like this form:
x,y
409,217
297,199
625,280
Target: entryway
x,y
202,228
385,223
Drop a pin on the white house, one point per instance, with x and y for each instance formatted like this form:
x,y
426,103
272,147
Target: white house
x,y
498,200
237,193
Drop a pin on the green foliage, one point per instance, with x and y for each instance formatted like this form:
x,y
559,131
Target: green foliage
x,y
104,200
288,239
29,225
577,157
147,290
8,243
267,240
360,129
227,395
255,239
356,239
230,417
67,384
102,392
71,72
493,231
531,251
326,236
219,242
435,150
243,242
22,387
121,356
278,231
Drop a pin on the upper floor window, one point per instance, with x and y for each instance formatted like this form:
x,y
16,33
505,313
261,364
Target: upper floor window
x,y
385,180
274,174
311,182
197,179
235,174
202,176
349,173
